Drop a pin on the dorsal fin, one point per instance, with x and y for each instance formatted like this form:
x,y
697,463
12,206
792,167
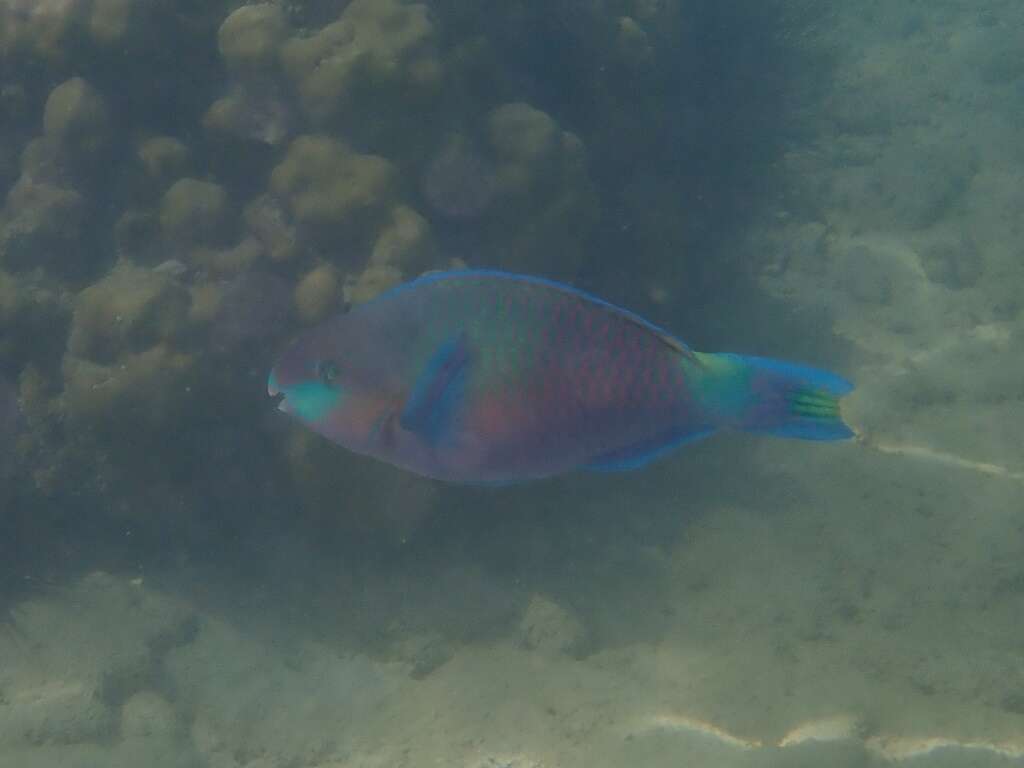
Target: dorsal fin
x,y
494,274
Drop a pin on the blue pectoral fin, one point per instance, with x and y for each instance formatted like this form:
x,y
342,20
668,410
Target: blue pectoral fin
x,y
438,391
636,456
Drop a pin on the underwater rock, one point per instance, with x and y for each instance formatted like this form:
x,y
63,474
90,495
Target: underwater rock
x,y
251,36
259,115
172,268
317,293
149,391
371,282
524,138
76,120
257,106
65,691
56,711
163,158
194,211
634,47
41,225
267,221
506,761
549,628
230,261
129,310
39,27
148,715
919,182
326,185
459,183
276,703
404,243
110,22
953,261
383,48
543,192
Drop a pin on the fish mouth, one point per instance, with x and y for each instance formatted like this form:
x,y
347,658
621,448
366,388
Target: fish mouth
x,y
275,391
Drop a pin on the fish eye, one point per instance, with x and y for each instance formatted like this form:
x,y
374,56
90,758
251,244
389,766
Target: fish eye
x,y
327,370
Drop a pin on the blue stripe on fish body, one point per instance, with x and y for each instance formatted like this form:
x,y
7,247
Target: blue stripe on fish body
x,y
439,390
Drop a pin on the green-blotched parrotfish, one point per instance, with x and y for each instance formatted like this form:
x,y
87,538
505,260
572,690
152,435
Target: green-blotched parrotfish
x,y
489,377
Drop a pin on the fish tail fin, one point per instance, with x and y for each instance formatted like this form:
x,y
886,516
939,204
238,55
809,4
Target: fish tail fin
x,y
758,394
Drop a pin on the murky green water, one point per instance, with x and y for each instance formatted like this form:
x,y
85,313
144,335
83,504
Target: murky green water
x,y
188,578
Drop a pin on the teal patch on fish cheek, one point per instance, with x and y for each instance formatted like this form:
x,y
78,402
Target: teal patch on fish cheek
x,y
311,400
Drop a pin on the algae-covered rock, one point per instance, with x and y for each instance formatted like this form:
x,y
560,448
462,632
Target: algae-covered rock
x,y
257,105
57,692
404,242
269,223
634,47
39,27
317,293
41,225
251,36
230,261
76,118
383,48
148,715
523,135
259,114
371,282
194,211
110,20
325,184
163,158
148,390
543,191
129,310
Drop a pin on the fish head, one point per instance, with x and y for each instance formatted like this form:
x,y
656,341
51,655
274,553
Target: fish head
x,y
327,382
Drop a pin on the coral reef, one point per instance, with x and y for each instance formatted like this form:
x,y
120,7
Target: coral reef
x,y
331,189
541,180
317,293
377,52
121,367
184,186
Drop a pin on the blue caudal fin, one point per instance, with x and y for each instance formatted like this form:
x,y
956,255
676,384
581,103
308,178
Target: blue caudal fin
x,y
791,400
438,390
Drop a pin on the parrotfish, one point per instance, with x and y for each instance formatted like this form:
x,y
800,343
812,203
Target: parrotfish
x,y
489,377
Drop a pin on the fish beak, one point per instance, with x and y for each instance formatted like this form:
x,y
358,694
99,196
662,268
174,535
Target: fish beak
x,y
275,391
